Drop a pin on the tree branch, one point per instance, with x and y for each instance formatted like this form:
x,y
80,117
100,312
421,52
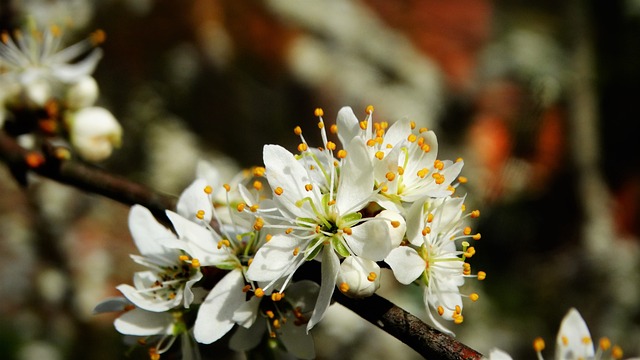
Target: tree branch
x,y
427,341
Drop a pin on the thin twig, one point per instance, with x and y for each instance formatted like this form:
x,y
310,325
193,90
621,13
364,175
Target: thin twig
x,y
427,341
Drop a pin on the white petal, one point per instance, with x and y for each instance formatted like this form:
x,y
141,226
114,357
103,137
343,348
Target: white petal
x,y
330,268
188,294
147,303
246,314
396,233
148,233
194,199
244,339
215,315
274,259
398,132
297,341
356,179
144,323
497,354
348,125
406,264
199,242
569,342
111,305
370,240
283,170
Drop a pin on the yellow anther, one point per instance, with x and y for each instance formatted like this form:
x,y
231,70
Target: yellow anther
x,y
458,319
302,147
258,224
276,324
296,251
412,137
459,159
466,266
331,202
342,154
426,230
376,126
318,229
482,275
331,145
423,172
269,313
208,190
470,252
268,237
586,340
430,217
297,130
153,354
538,344
258,292
320,125
288,231
333,129
254,207
4,37
308,187
426,148
474,297
389,146
311,167
272,334
413,124
227,187
335,164
617,352
400,170
183,258
318,112
476,236
424,129
379,155
372,276
384,189
451,188
34,159
257,185
438,164
344,287
363,125
276,296
98,37
278,191
475,214
347,230
200,214
379,133
390,176
458,309
420,142
371,143
440,310
462,179
395,223
605,343
440,180
241,207
246,288
369,110
223,242
463,208
249,261
384,124
259,171
467,230
195,263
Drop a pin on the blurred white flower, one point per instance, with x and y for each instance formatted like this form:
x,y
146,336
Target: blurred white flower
x,y
94,132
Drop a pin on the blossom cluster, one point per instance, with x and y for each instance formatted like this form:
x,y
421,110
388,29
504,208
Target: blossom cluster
x,y
376,195
47,94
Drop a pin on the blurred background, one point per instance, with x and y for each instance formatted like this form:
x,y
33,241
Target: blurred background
x,y
538,97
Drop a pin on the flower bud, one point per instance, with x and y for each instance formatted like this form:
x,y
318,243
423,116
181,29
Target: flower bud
x,y
361,276
82,93
94,132
37,91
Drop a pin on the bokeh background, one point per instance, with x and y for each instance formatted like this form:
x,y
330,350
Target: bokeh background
x,y
539,97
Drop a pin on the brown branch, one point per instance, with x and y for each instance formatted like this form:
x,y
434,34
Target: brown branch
x,y
427,341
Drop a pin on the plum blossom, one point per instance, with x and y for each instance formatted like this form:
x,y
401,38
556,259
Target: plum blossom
x,y
320,197
432,259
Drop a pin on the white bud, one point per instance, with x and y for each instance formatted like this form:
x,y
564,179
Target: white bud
x,y
82,93
38,91
94,132
362,276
